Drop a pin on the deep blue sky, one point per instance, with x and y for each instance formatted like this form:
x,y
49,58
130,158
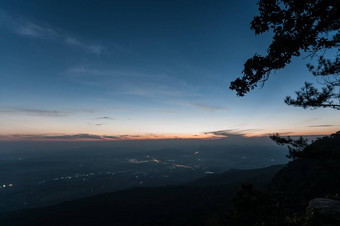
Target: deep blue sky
x,y
146,68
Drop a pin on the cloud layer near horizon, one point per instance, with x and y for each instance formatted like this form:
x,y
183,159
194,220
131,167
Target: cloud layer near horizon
x,y
61,137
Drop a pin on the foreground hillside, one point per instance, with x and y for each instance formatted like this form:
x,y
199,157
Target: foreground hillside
x,y
315,174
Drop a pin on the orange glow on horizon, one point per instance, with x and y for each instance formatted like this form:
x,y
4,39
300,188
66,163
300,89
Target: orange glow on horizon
x,y
94,137
40,137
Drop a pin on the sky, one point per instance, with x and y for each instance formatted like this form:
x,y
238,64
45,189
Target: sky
x,y
107,70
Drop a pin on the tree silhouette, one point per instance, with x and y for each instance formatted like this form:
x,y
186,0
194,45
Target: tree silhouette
x,y
299,26
310,27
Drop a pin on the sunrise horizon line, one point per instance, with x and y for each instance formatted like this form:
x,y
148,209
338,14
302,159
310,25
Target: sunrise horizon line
x,y
87,137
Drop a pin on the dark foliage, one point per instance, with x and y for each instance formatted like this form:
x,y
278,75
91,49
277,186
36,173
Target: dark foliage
x,y
310,26
304,179
311,173
255,207
314,171
327,147
310,97
295,146
326,150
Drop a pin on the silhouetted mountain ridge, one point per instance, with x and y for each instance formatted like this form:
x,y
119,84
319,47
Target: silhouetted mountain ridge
x,y
258,177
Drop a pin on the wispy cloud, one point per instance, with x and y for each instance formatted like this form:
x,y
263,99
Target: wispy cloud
x,y
209,107
132,82
34,112
79,136
321,125
105,118
200,106
43,112
75,136
67,137
39,30
233,132
151,90
100,121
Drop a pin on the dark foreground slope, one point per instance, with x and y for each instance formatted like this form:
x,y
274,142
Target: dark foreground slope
x,y
304,179
201,202
314,175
